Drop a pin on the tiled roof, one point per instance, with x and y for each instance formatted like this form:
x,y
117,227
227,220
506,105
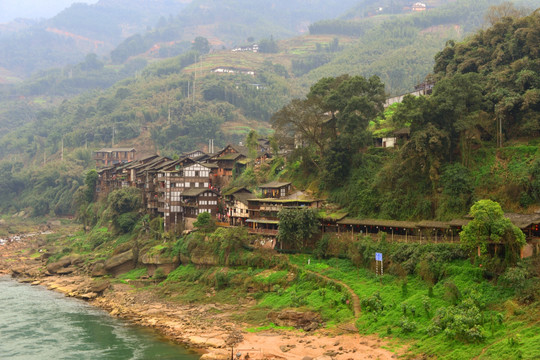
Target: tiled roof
x,y
115,149
274,185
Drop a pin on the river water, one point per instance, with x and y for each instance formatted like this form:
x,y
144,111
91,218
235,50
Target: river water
x,y
39,324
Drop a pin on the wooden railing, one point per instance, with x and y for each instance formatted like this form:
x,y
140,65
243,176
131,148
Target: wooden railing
x,y
398,238
270,232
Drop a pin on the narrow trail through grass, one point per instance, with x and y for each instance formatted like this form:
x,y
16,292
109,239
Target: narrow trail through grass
x,y
357,310
355,299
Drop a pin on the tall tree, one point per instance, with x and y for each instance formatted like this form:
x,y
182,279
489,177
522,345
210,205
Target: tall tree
x,y
296,226
490,226
305,121
201,45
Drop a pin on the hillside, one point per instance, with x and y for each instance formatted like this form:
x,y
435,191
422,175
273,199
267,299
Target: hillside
x,y
476,136
300,61
100,28
400,48
80,29
178,104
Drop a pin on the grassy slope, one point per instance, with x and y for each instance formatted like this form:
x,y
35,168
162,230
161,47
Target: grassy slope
x,y
261,287
517,337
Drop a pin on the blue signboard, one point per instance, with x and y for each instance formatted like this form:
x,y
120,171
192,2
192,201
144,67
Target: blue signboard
x,y
378,256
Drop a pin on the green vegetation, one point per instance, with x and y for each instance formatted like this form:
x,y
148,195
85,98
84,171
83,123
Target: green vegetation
x,y
461,315
134,274
434,297
488,227
475,137
296,226
453,156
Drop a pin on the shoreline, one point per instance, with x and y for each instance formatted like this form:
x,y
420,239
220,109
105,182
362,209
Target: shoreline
x,y
206,329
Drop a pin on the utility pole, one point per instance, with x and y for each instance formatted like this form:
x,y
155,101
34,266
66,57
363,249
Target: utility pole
x,y
500,132
193,87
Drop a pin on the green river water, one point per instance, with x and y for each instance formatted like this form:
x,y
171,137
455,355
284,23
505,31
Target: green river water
x,y
39,324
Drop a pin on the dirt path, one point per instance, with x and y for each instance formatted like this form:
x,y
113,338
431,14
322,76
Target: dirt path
x,y
357,309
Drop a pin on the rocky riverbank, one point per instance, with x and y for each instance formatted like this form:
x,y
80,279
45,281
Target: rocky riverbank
x,y
207,328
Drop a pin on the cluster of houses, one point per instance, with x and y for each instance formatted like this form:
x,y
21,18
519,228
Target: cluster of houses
x,y
250,48
179,190
233,70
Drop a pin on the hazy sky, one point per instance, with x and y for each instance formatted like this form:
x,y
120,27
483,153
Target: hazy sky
x,y
34,9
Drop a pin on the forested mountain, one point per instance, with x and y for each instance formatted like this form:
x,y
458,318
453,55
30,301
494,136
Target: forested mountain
x,y
176,104
80,29
399,49
476,136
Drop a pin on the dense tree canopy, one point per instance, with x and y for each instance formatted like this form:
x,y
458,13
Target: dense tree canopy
x,y
296,226
489,226
333,120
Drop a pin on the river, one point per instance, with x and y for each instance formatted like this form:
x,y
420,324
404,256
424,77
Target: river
x,y
36,323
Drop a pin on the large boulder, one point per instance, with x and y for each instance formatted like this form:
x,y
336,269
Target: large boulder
x,y
307,321
153,261
158,259
121,263
98,286
65,265
67,270
203,259
60,264
216,355
98,269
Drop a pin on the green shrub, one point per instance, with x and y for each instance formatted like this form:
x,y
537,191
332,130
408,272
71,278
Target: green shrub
x,y
205,223
321,247
452,293
374,303
461,322
407,326
222,280
156,225
99,236
159,275
426,303
125,222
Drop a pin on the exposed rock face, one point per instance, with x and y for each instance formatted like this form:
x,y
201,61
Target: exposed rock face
x,y
121,263
65,265
154,261
55,266
97,286
203,260
307,321
66,270
98,269
216,355
207,342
